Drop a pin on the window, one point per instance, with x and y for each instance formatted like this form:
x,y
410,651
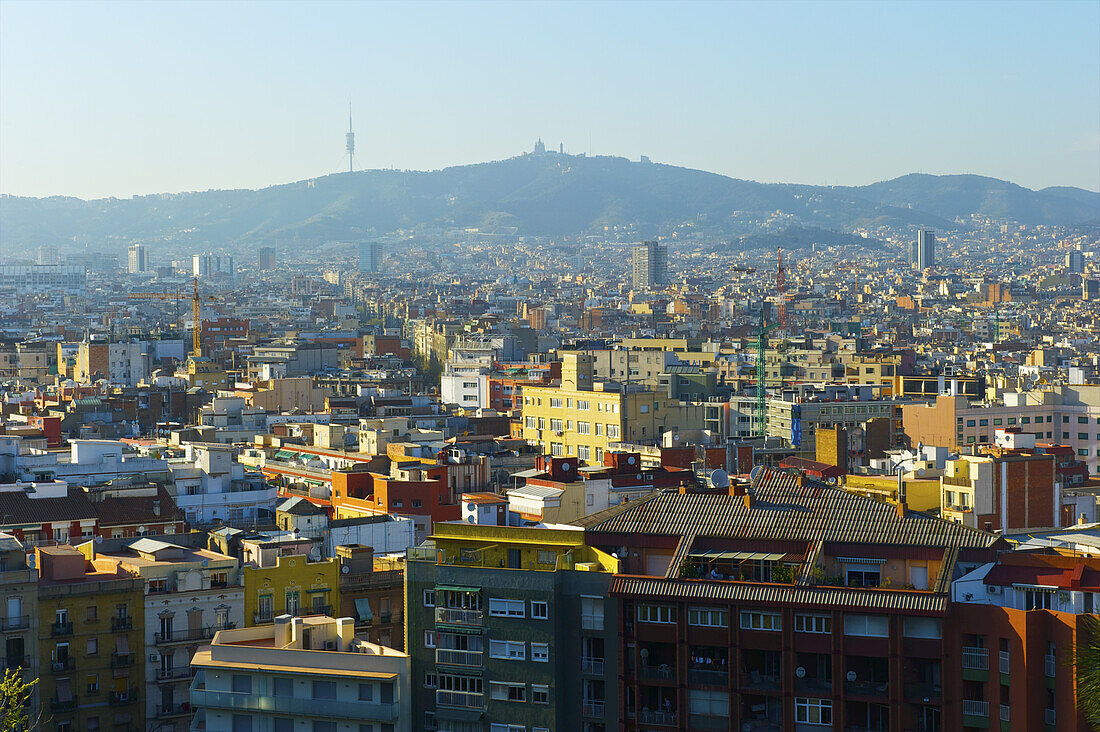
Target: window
x,y
613,431
429,598
158,585
539,609
540,694
812,623
709,703
708,617
1082,435
429,639
242,684
555,402
319,726
92,614
546,557
584,428
863,576
1037,599
875,626
510,650
556,425
556,449
923,628
416,503
504,608
998,422
584,452
431,681
583,405
242,723
540,652
813,711
324,690
756,620
592,613
501,727
656,614
283,724
530,422
505,691
366,692
93,647
93,683
971,423
284,686
599,428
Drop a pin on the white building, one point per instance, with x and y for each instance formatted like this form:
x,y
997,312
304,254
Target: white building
x,y
211,487
465,378
88,463
137,262
300,675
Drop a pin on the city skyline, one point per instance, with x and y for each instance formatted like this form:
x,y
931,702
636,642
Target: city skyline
x,y
234,98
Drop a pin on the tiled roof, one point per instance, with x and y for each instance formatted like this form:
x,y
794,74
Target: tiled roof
x,y
116,511
785,510
779,595
17,508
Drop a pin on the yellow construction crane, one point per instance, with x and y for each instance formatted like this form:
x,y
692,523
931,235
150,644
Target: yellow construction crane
x,y
196,345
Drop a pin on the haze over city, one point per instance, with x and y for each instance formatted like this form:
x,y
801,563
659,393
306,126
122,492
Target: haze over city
x,y
114,99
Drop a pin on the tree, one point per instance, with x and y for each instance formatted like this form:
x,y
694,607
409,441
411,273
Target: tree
x,y
14,693
1088,667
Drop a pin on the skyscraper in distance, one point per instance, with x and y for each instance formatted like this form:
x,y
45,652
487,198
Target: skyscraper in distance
x,y
137,261
649,265
370,256
923,255
266,258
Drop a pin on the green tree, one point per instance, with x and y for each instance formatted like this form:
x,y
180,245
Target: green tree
x,y
14,693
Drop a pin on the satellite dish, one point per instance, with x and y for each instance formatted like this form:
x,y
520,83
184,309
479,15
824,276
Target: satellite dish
x,y
99,539
720,478
630,460
206,562
851,676
565,466
800,672
345,569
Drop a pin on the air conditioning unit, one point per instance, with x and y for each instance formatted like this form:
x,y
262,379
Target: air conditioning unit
x,y
330,645
993,589
154,658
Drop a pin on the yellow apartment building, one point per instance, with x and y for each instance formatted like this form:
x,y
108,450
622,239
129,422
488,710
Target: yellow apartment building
x,y
292,585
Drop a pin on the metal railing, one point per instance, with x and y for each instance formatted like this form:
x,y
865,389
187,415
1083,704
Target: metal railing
x,y
708,677
385,712
14,662
122,660
15,622
58,629
664,718
593,708
462,699
174,710
118,698
63,666
592,666
1005,713
660,672
57,705
975,658
453,657
458,616
975,708
1004,662
1050,665
174,674
122,623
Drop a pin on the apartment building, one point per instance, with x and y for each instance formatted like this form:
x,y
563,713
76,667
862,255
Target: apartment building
x,y
190,594
798,415
19,622
90,636
510,628
1002,491
300,675
1016,624
372,591
784,604
276,583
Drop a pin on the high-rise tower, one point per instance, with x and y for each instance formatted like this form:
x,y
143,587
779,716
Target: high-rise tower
x,y
649,265
350,138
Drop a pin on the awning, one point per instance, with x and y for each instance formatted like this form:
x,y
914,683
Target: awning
x,y
860,560
1034,588
456,588
64,690
362,608
122,645
284,455
739,556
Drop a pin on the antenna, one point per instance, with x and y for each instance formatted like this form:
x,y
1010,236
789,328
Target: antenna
x,y
350,138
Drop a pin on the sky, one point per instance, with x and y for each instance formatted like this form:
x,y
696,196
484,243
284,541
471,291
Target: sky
x,y
105,99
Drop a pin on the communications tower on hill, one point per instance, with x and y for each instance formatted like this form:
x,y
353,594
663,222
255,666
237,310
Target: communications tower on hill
x,y
350,142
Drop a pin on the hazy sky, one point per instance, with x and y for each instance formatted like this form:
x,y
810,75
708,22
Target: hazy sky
x,y
100,99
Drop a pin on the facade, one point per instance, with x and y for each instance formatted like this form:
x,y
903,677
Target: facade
x,y
28,279
136,259
649,265
265,258
1005,492
785,604
289,584
190,594
370,256
212,487
923,255
19,621
300,675
90,637
510,627
372,591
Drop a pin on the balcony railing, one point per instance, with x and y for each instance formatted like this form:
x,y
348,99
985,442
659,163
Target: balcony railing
x,y
1004,662
14,662
119,698
922,691
662,718
63,666
592,666
318,610
15,622
758,681
262,617
119,623
1005,713
56,705
1050,665
975,708
867,688
174,674
459,658
61,628
593,708
236,700
173,710
707,677
659,672
122,660
975,658
1049,717
461,699
457,616
187,634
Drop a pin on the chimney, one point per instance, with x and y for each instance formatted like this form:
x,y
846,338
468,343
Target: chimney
x,y
903,508
282,631
749,498
156,507
345,631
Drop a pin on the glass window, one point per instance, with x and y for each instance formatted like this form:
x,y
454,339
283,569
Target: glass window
x,y
813,711
506,608
284,687
242,723
540,694
804,623
710,617
540,652
656,614
324,690
242,684
876,626
539,609
756,620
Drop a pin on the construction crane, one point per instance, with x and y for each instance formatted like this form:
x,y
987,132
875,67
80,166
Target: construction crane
x,y
761,375
781,291
196,300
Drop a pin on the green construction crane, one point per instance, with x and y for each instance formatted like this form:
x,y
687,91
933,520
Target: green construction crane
x,y
761,376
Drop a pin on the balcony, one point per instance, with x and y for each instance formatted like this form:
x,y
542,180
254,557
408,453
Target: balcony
x,y
708,677
593,666
868,688
121,623
459,658
976,659
16,622
183,636
757,681
459,699
813,686
61,628
56,705
14,662
263,617
660,672
121,698
1004,662
240,701
1050,717
923,692
975,708
1005,713
171,675
175,710
65,665
593,708
1049,664
709,722
667,719
457,616
319,610
122,660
